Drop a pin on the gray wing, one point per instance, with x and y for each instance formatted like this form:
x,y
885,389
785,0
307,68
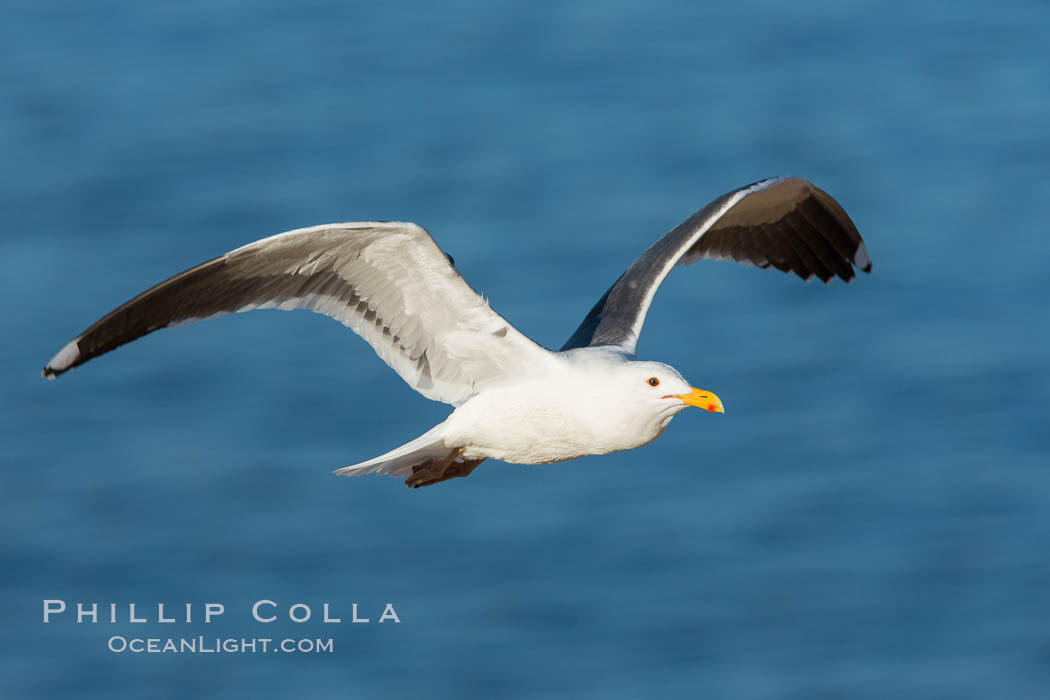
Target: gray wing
x,y
387,281
786,223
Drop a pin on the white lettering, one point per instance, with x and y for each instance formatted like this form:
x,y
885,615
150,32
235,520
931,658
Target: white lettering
x,y
160,614
213,610
353,607
53,607
131,615
291,613
259,604
327,617
389,614
82,613
119,641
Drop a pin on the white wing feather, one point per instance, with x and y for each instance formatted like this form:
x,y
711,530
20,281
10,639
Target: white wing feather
x,y
387,281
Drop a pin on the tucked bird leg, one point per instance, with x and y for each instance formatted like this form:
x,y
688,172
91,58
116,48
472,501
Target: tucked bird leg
x,y
434,471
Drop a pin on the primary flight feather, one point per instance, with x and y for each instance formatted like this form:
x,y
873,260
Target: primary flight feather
x,y
515,400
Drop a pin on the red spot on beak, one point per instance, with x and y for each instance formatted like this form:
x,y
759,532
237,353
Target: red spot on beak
x,y
712,408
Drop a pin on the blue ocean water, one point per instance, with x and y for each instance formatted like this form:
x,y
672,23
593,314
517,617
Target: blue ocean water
x,y
869,519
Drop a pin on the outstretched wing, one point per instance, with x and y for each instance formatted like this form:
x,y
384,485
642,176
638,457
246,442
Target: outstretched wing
x,y
786,223
388,281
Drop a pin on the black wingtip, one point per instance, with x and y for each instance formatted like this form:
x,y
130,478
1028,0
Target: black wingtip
x,y
853,275
861,258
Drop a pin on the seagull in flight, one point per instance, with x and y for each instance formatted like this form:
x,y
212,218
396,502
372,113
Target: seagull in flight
x,y
514,400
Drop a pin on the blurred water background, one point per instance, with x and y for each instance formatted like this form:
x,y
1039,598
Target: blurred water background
x,y
870,517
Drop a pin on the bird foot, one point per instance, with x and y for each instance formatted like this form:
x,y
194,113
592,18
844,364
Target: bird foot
x,y
435,471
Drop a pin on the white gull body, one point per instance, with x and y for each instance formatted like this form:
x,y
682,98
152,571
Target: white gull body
x,y
514,400
581,402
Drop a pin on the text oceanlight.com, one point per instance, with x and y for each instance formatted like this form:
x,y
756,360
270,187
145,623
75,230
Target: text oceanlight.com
x,y
219,645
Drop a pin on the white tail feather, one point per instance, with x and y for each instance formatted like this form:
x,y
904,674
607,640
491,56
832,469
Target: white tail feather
x,y
400,460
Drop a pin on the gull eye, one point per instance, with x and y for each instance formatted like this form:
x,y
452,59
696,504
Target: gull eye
x,y
653,381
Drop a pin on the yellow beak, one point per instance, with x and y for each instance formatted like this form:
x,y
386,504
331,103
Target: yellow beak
x,y
702,399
